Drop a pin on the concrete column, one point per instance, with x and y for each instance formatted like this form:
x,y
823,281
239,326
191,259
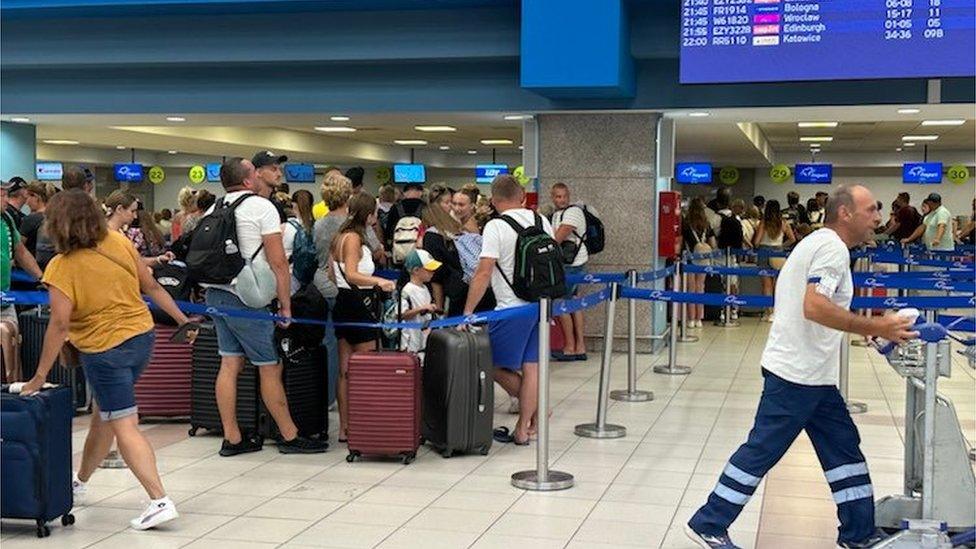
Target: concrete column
x,y
608,161
18,144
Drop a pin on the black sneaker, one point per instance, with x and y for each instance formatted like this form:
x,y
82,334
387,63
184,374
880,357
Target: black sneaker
x,y
302,445
877,537
248,443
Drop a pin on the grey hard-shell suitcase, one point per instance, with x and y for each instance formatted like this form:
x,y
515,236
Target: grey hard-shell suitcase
x,y
458,392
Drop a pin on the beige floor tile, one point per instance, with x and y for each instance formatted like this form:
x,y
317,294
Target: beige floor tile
x,y
338,534
376,514
290,508
495,541
533,526
544,505
265,530
641,513
476,501
142,540
410,538
221,504
61,538
621,533
453,520
397,495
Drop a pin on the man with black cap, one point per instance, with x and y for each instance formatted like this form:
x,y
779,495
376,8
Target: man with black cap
x,y
268,166
16,198
936,226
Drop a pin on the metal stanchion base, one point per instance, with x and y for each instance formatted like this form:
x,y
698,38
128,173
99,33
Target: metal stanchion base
x,y
855,407
727,323
591,430
529,480
113,461
636,396
687,339
676,371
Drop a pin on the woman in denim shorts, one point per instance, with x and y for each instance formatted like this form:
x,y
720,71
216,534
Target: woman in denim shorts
x,y
96,283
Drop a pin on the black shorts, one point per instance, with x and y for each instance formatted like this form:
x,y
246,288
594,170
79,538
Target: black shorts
x,y
350,307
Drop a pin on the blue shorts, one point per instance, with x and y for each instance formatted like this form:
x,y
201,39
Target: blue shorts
x,y
245,337
572,288
514,342
113,375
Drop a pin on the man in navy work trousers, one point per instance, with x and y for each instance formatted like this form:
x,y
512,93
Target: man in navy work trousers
x,y
800,366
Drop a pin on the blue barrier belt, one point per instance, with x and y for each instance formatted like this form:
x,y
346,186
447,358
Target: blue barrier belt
x,y
913,283
596,278
655,275
760,252
714,269
706,255
937,302
958,323
569,306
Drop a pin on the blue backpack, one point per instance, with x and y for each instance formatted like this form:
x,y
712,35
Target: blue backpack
x,y
304,261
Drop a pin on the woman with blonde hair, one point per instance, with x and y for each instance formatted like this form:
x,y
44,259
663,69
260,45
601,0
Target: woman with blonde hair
x,y
441,231
188,205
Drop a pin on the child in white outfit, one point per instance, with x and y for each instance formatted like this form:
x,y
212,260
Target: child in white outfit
x,y
416,304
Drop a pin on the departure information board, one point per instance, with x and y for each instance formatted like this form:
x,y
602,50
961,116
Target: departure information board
x,y
726,41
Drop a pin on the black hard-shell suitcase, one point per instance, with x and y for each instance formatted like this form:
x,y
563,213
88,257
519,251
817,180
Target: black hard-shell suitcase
x,y
306,387
33,324
203,398
458,386
35,457
714,284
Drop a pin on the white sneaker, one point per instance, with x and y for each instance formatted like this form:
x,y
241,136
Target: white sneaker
x,y
158,512
79,490
513,405
735,314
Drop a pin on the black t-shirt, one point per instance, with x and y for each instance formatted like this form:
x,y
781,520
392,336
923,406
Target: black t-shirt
x,y
29,229
16,215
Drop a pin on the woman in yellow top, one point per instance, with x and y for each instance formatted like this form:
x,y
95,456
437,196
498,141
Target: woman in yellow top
x,y
95,283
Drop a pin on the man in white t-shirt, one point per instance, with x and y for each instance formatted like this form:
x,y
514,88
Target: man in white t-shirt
x,y
569,224
514,342
801,364
258,236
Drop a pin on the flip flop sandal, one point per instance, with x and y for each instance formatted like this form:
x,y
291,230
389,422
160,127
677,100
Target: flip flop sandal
x,y
502,435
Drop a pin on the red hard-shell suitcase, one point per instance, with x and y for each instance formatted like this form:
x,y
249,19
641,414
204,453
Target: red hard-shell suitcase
x,y
163,389
556,340
384,405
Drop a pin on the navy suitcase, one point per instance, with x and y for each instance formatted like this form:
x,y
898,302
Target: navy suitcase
x,y
35,457
458,405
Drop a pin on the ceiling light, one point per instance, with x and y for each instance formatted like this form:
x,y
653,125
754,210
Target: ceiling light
x,y
472,151
898,149
814,145
496,141
521,147
335,129
60,142
817,139
171,152
435,128
339,118
698,114
919,137
517,116
444,148
909,111
816,124
908,144
120,147
175,119
943,122
20,119
409,141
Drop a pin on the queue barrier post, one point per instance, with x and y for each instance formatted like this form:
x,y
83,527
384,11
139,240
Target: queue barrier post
x,y
865,265
542,479
726,320
681,285
853,407
602,429
672,368
632,394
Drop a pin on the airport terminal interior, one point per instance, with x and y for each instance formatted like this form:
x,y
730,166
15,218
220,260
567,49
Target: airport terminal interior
x,y
642,110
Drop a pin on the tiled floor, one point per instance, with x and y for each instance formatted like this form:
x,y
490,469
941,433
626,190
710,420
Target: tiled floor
x,y
634,491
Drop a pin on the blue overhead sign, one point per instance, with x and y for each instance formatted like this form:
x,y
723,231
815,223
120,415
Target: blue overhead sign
x,y
485,173
128,173
213,172
815,174
409,173
693,173
921,172
299,173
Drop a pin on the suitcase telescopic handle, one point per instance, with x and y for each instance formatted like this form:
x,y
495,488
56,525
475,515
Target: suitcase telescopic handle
x,y
482,390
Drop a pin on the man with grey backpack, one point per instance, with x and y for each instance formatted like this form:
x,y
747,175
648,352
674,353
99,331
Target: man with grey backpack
x,y
237,254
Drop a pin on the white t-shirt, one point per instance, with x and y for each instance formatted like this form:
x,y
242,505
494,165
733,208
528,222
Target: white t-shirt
x,y
498,243
800,350
574,217
256,218
413,296
288,233
365,265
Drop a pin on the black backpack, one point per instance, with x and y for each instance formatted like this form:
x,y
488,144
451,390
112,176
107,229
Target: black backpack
x,y
595,237
538,263
730,232
214,255
173,277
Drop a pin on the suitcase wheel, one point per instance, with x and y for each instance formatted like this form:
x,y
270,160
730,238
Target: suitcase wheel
x,y
67,520
447,454
42,530
407,459
192,432
352,456
484,450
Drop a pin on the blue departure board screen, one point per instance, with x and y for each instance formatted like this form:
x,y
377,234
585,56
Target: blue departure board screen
x,y
693,173
921,172
813,174
726,41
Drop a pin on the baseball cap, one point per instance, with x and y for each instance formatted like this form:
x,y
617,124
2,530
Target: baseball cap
x,y
934,197
268,158
15,184
421,258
